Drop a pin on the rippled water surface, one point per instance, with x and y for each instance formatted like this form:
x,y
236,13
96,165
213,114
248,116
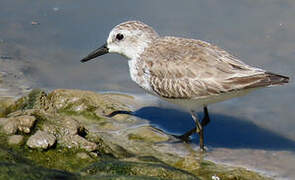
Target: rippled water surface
x,y
41,43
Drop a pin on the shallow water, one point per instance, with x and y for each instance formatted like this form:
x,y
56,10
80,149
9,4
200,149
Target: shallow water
x,y
41,43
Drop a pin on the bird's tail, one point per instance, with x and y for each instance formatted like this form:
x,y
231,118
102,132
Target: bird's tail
x,y
265,79
272,79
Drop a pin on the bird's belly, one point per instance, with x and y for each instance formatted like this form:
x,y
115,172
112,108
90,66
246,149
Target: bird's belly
x,y
195,103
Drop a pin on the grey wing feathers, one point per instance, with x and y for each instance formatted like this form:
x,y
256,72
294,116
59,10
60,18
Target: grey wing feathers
x,y
186,68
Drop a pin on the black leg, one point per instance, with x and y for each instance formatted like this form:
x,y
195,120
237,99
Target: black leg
x,y
186,135
206,118
199,128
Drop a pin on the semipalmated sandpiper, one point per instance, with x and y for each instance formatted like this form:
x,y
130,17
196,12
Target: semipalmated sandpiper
x,y
188,72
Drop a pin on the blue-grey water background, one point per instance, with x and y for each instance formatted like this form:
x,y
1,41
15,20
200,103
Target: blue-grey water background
x,y
45,40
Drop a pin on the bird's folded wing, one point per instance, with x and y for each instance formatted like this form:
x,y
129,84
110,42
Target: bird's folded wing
x,y
185,68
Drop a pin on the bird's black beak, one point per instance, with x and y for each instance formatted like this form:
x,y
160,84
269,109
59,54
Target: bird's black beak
x,y
98,52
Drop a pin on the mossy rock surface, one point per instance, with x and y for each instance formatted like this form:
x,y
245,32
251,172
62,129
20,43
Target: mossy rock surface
x,y
90,145
24,171
138,169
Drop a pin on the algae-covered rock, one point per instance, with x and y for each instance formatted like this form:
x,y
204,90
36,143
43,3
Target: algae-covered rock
x,y
15,140
10,126
76,141
15,167
89,104
25,123
36,99
147,134
138,169
24,171
22,123
5,102
83,155
41,140
81,142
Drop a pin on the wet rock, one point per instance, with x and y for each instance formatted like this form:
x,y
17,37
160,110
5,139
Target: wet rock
x,y
35,100
3,121
25,123
76,141
41,140
89,104
15,140
20,123
72,126
147,134
28,112
61,126
32,172
138,169
123,146
10,127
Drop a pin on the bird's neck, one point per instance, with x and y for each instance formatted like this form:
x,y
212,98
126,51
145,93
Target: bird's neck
x,y
134,50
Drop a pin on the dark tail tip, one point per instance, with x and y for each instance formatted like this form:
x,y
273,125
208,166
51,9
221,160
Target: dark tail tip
x,y
276,79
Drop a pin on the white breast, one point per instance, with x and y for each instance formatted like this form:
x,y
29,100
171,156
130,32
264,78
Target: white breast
x,y
140,74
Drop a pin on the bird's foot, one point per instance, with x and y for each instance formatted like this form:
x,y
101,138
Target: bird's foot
x,y
183,138
186,136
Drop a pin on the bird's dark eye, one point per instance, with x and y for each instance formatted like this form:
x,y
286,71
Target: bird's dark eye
x,y
119,36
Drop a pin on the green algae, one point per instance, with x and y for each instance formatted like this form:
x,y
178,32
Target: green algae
x,y
129,156
5,103
86,114
117,177
21,171
126,168
135,137
33,100
15,164
59,158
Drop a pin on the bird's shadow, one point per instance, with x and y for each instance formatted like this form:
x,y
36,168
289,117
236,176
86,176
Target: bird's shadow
x,y
223,131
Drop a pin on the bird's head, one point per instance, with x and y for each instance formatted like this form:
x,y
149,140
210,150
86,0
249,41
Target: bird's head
x,y
128,39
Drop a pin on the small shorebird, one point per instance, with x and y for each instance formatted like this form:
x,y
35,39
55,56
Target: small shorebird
x,y
188,72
